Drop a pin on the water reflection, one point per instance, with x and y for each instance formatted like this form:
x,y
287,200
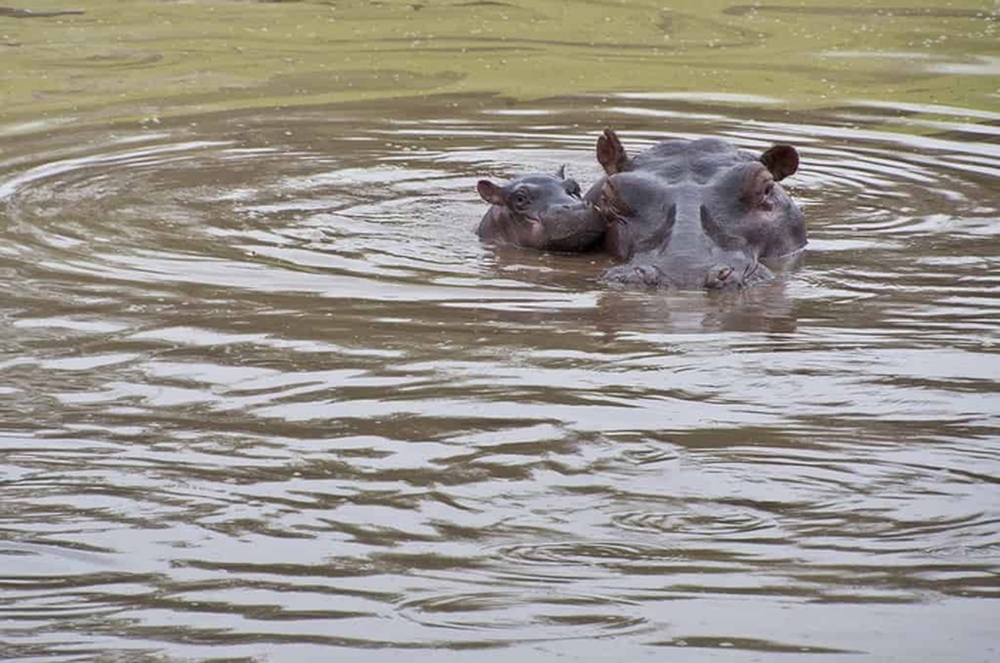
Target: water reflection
x,y
266,394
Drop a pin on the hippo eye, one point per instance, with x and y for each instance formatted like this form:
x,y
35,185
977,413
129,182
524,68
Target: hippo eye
x,y
521,199
572,187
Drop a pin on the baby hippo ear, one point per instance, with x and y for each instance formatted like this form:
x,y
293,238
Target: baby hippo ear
x,y
781,160
490,192
561,173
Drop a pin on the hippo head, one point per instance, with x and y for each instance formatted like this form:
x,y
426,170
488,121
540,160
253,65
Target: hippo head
x,y
540,211
696,213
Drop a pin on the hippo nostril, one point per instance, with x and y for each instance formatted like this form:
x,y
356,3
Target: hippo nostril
x,y
722,277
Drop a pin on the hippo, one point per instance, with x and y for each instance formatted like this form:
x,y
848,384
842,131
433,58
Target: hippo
x,y
687,214
695,214
541,211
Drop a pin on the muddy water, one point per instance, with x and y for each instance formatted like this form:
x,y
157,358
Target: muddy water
x,y
264,395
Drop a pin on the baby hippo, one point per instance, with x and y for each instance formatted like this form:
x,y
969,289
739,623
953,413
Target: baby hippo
x,y
542,212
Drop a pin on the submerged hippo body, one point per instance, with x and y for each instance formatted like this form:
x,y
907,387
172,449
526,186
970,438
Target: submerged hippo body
x,y
695,213
540,212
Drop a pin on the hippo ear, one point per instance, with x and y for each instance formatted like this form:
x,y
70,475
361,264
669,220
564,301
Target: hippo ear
x,y
561,173
490,192
610,153
781,160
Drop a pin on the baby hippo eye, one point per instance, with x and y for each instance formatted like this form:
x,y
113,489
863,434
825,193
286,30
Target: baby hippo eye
x,y
572,187
521,199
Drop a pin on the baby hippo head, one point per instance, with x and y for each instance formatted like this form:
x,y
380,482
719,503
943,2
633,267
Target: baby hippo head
x,y
541,212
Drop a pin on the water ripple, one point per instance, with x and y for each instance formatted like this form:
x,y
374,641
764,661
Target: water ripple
x,y
710,525
510,615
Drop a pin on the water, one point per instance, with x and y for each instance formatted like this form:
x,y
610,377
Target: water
x,y
265,396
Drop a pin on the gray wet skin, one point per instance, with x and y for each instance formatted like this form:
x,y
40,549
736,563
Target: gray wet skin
x,y
695,214
541,212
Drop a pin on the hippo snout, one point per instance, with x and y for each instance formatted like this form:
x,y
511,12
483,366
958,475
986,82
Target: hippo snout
x,y
722,277
573,226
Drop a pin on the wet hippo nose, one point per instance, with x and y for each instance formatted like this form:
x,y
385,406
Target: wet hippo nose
x,y
720,277
573,207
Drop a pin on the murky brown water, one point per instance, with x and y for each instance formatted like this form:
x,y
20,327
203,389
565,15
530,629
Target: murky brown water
x,y
265,393
265,396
